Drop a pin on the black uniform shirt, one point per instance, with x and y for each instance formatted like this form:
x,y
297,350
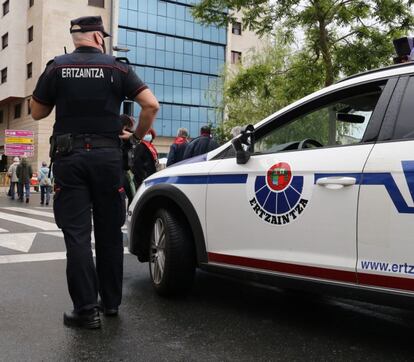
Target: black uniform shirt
x,y
87,88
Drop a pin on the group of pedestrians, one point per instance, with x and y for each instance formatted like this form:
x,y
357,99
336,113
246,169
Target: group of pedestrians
x,y
20,173
182,149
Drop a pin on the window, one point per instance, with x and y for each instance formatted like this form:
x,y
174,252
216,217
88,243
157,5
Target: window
x,y
29,110
3,75
341,122
236,57
1,116
6,7
404,128
17,110
30,34
236,29
29,70
5,41
31,3
98,3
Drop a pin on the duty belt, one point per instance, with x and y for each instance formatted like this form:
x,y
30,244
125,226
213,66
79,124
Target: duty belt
x,y
94,141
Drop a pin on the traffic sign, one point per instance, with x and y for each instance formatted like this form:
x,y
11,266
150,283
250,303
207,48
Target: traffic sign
x,y
19,143
19,140
19,133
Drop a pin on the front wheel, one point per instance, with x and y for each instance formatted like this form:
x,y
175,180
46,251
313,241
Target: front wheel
x,y
172,256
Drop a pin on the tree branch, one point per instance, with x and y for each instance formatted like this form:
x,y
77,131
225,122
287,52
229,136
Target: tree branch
x,y
346,36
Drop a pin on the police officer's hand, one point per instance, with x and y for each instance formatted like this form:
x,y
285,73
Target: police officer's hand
x,y
125,135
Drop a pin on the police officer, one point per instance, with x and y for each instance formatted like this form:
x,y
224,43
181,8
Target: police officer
x,y
87,88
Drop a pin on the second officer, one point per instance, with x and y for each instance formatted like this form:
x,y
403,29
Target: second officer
x,y
87,88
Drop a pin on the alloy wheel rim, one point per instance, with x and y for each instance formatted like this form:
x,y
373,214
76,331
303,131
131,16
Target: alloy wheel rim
x,y
157,251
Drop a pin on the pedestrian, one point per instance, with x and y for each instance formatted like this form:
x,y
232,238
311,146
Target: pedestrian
x,y
24,174
235,131
202,144
87,88
145,158
14,181
177,149
128,177
45,183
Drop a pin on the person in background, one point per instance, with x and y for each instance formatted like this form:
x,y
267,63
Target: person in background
x,y
235,131
128,179
45,183
24,174
202,144
145,158
13,177
177,149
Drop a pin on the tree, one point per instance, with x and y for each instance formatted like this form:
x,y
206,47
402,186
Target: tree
x,y
340,36
272,79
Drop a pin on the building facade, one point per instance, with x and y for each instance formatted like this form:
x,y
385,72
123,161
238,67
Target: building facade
x,y
179,59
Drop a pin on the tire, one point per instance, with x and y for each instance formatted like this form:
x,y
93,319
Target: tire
x,y
172,257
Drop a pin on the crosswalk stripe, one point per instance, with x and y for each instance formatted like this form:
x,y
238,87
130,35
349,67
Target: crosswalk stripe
x,y
29,211
24,258
39,224
39,213
20,241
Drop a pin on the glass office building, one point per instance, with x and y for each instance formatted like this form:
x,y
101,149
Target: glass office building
x,y
177,58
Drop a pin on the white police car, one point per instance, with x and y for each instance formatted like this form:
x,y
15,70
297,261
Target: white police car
x,y
322,197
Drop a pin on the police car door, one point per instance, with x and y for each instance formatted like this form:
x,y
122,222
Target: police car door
x,y
386,209
292,207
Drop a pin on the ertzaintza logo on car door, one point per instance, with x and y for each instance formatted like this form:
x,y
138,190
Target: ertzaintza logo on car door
x,y
279,197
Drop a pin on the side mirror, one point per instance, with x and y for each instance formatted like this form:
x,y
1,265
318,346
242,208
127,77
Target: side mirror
x,y
243,145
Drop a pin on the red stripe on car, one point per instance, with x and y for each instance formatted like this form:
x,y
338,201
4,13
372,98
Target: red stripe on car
x,y
365,279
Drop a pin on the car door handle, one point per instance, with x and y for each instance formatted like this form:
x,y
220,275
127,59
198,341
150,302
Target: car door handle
x,y
335,182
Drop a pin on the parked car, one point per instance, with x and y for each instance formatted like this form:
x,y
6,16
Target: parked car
x,y
318,195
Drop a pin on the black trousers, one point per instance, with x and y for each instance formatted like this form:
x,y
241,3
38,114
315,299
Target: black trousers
x,y
90,183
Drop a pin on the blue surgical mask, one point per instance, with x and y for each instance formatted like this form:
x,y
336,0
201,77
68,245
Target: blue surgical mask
x,y
147,138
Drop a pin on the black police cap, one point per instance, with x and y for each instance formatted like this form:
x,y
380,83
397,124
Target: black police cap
x,y
87,23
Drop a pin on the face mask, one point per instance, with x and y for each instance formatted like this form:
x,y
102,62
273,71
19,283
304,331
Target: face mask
x,y
147,138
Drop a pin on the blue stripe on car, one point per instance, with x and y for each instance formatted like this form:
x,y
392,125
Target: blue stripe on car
x,y
200,179
381,178
384,179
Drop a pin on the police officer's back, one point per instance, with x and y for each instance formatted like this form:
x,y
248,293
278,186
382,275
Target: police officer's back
x,y
87,88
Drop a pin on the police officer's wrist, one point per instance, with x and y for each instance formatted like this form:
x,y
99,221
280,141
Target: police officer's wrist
x,y
135,139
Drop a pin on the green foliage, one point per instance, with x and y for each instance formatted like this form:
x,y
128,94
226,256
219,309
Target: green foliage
x,y
342,36
273,78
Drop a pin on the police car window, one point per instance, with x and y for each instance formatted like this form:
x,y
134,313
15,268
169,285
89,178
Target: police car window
x,y
342,122
405,126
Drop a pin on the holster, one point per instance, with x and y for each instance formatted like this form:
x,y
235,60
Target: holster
x,y
61,145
